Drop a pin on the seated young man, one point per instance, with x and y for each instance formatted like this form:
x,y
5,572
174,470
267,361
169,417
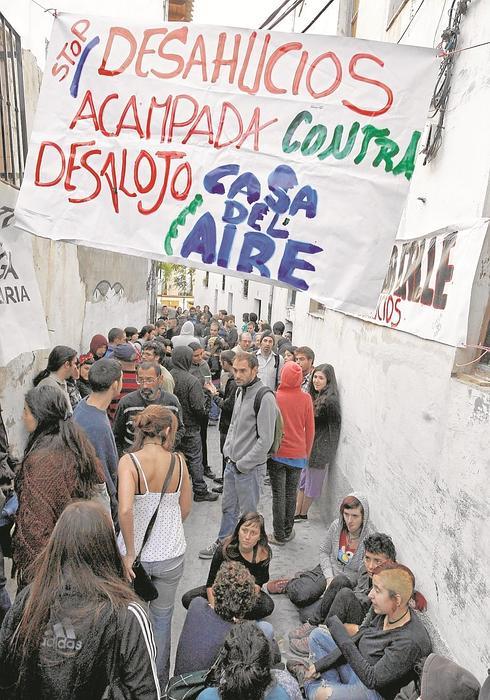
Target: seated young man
x,y
443,679
344,599
380,659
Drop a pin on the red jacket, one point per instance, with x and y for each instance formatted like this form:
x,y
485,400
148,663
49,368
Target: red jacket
x,y
297,412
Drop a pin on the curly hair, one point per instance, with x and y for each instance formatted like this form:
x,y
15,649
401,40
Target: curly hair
x,y
244,667
234,591
379,543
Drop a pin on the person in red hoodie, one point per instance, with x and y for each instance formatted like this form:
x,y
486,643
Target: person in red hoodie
x,y
285,466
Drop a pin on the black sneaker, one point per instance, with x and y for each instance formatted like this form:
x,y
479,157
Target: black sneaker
x,y
208,472
218,480
205,496
217,489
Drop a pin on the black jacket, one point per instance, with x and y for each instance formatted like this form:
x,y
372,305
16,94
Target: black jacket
x,y
194,400
226,403
76,660
132,404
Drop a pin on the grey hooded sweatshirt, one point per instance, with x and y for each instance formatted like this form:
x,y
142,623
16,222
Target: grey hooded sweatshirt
x,y
329,550
186,335
249,437
442,679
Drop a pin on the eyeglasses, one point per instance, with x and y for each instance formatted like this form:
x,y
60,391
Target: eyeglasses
x,y
146,380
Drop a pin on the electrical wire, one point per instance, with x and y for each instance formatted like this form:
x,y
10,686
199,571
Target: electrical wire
x,y
274,14
51,10
285,13
317,16
410,23
440,96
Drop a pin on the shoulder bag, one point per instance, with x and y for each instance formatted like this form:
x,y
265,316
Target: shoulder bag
x,y
142,583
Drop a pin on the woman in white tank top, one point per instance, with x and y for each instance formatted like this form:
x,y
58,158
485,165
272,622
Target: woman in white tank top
x,y
141,475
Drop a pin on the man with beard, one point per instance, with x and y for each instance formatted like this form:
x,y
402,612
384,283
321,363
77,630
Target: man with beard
x,y
150,392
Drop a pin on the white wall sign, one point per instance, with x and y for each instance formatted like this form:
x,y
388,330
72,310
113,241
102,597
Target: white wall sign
x,y
280,156
21,310
427,289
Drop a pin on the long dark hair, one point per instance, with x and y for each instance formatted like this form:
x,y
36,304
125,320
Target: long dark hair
x,y
329,395
57,358
48,406
244,668
231,548
81,558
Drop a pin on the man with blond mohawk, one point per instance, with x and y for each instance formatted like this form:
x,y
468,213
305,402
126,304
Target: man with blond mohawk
x,y
380,659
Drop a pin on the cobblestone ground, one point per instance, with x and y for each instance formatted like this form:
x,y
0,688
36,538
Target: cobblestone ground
x,y
201,529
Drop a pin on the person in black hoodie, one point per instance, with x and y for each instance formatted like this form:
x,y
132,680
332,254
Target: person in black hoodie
x,y
195,404
77,631
225,401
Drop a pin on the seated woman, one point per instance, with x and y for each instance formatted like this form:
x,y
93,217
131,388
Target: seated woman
x,y
341,552
248,545
206,625
244,669
78,628
380,659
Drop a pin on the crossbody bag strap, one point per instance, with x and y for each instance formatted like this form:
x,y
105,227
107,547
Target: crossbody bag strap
x,y
154,516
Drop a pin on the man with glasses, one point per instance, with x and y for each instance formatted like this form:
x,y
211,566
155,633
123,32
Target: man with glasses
x,y
149,380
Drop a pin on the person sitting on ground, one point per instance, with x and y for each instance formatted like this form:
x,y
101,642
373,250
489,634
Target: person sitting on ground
x,y
442,679
244,669
59,465
207,624
150,392
98,346
341,552
248,545
61,361
105,379
345,599
116,336
326,406
287,465
152,351
185,336
78,627
380,659
85,362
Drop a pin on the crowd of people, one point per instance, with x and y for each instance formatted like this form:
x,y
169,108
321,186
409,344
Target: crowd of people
x,y
93,515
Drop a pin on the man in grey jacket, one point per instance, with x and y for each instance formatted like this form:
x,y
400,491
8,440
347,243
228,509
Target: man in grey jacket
x,y
247,445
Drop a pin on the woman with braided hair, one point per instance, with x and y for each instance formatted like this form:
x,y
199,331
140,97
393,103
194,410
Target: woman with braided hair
x,y
59,465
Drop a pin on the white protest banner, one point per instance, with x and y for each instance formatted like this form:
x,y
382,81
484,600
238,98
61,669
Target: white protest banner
x,y
280,156
427,289
21,310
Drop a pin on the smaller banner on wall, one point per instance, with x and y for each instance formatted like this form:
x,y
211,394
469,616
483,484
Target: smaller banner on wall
x,y
427,289
21,311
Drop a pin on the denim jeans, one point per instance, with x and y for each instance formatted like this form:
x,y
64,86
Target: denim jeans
x,y
284,484
161,611
241,494
342,680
